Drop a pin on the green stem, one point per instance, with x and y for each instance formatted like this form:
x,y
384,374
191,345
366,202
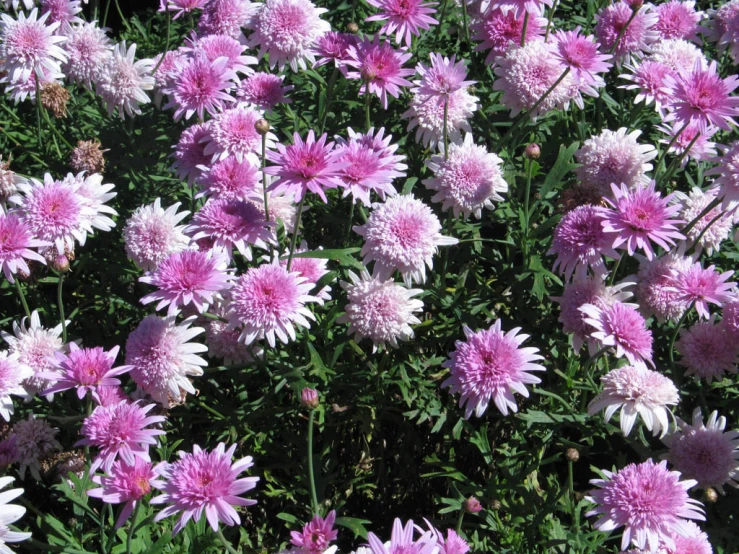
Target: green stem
x,y
329,94
311,475
595,356
264,177
166,47
349,221
550,19
60,301
622,31
227,544
464,20
103,535
676,136
295,232
460,519
525,27
615,270
133,527
57,133
672,344
120,14
676,161
22,297
105,13
446,128
706,228
39,110
685,230
367,99
526,214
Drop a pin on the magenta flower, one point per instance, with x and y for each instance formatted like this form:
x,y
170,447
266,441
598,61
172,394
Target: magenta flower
x,y
334,46
701,146
380,67
620,326
581,54
402,541
490,365
200,86
646,499
316,535
189,152
442,78
120,430
312,269
30,46
204,482
701,96
127,483
263,91
649,79
305,166
655,286
635,39
230,179
498,28
453,543
16,241
85,369
405,18
181,6
232,133
639,217
701,287
188,276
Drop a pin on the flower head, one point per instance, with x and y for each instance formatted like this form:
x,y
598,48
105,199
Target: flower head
x,y
152,234
312,269
334,46
616,28
88,49
581,54
263,91
29,46
699,286
405,18
727,173
181,6
88,156
708,350
689,142
655,286
621,326
16,241
721,221
123,81
725,28
232,133
498,29
200,86
490,365
12,375
678,19
85,369
230,179
649,78
225,17
189,152
402,541
316,535
426,114
9,513
34,442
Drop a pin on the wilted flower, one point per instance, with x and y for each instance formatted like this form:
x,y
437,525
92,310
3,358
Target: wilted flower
x,y
34,441
87,156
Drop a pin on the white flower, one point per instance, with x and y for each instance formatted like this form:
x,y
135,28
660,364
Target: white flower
x,y
10,513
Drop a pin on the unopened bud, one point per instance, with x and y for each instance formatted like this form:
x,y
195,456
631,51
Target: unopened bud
x,y
636,5
572,454
262,126
309,398
533,151
367,74
472,505
352,28
710,495
495,504
61,264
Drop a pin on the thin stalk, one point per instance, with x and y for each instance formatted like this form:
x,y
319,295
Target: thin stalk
x,y
460,519
311,475
264,177
570,483
676,161
674,337
22,297
295,232
669,145
615,270
133,527
57,133
95,8
120,14
464,20
60,301
550,19
443,12
527,193
446,128
367,99
623,30
166,47
685,230
525,27
595,356
349,221
227,544
39,109
103,535
329,95
706,228
105,13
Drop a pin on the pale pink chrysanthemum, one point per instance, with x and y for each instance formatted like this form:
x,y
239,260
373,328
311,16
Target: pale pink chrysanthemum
x,y
312,269
621,327
9,513
152,234
580,242
16,241
29,46
225,17
701,146
34,442
490,364
18,5
181,6
403,233
189,152
263,91
287,31
213,47
167,71
708,350
63,12
186,277
232,133
109,394
701,96
123,81
381,146
582,291
204,482
470,179
54,212
120,431
452,544
426,114
85,369
655,286
498,29
648,500
705,452
442,78
282,210
678,19
727,172
527,72
402,541
35,346
223,342
268,301
380,310
635,39
640,216
230,179
380,68
701,287
12,375
200,86
725,28
163,357
636,391
304,166
334,46
405,18
126,483
691,541
88,49
648,78
232,223
316,534
677,54
19,91
614,157
94,194
582,55
521,7
721,220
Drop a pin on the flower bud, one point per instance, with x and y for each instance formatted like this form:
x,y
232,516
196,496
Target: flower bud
x,y
262,126
533,151
309,398
352,28
710,495
60,263
572,454
495,504
472,505
636,5
367,74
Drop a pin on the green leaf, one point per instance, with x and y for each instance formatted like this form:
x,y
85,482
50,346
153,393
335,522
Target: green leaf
x,y
356,525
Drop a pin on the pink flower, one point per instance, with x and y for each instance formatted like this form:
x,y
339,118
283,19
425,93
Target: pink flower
x,y
127,483
213,47
109,394
580,242
442,78
380,310
120,429
200,86
123,81
16,241
305,166
188,276
639,217
263,91
699,286
491,365
646,499
287,30
702,97
232,133
721,220
312,269
380,67
181,6
678,19
725,28
649,78
637,37
87,48
701,146
334,46
316,535
498,28
204,482
189,152
580,53
62,11
405,18
224,342
225,17
152,234
85,369
268,301
655,286
402,542
426,112
30,46
452,544
727,172
620,326
34,441
691,541
708,350
636,391
230,179
677,54
402,233
12,375
520,7
705,452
